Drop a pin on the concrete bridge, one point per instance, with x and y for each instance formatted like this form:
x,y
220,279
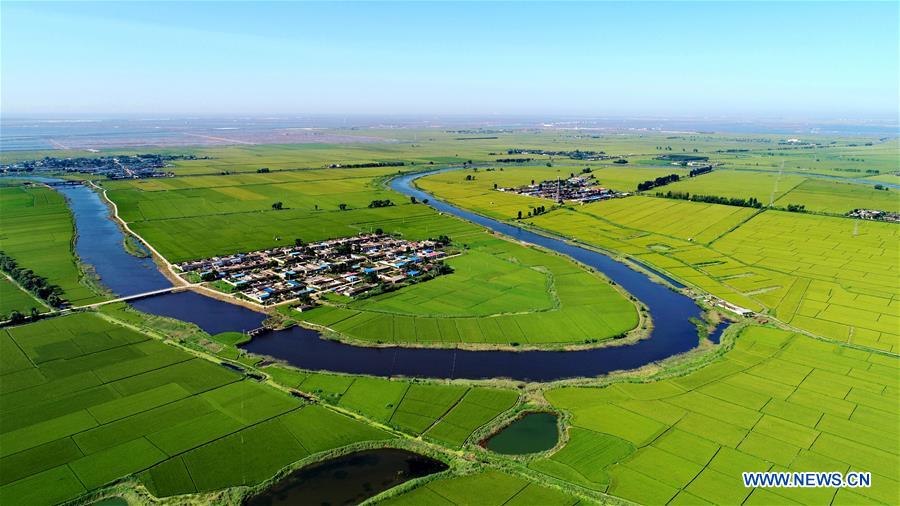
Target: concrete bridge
x,y
171,289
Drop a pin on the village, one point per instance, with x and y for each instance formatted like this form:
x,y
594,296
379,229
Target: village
x,y
583,188
138,166
875,215
347,266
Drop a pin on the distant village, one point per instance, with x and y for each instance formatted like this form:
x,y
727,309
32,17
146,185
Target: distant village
x,y
582,188
113,167
875,215
347,266
574,155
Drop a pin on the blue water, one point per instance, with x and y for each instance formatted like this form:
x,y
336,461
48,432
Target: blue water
x,y
100,244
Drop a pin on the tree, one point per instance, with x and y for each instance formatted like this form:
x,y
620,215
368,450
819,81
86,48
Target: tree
x,y
380,203
424,201
379,231
299,242
342,206
16,317
412,200
520,215
35,314
278,206
495,186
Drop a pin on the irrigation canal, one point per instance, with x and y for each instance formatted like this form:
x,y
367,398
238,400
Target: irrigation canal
x,y
100,244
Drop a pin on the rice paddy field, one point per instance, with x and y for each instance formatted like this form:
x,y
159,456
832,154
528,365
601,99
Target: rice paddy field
x,y
13,298
442,412
491,488
830,276
36,229
86,402
778,401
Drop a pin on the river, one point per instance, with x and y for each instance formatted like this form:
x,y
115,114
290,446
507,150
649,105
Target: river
x,y
100,243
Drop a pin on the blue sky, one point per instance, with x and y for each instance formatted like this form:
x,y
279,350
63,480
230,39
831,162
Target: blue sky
x,y
728,59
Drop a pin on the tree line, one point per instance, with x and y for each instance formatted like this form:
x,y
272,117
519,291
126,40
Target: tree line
x,y
660,181
712,199
366,165
27,279
700,170
380,203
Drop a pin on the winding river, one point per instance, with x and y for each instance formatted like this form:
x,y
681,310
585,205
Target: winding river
x,y
99,244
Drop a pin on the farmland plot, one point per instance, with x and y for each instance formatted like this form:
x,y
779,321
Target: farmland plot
x,y
778,401
490,487
85,402
37,231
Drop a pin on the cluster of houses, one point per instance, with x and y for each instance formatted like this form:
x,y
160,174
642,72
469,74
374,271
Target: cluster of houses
x,y
582,188
874,214
346,266
113,167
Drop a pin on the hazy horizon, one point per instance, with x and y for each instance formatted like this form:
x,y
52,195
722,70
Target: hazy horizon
x,y
722,60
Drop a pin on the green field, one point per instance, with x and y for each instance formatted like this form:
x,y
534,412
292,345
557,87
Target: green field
x,y
13,298
85,402
36,229
490,488
446,413
830,276
778,401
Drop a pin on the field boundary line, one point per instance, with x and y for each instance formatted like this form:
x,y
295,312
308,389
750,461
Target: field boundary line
x,y
526,485
447,412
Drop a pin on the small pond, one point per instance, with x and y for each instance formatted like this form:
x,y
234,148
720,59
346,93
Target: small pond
x,y
350,479
532,433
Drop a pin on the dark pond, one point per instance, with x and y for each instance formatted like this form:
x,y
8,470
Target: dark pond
x,y
532,433
100,244
350,479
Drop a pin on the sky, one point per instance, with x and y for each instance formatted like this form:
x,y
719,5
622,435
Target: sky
x,y
671,59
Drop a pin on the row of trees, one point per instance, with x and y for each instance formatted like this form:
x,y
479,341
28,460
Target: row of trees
x,y
380,203
728,201
514,160
534,212
660,181
712,199
30,281
700,170
366,165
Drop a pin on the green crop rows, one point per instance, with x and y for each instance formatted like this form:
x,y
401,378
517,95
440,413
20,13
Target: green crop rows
x,y
37,231
831,276
444,412
85,402
491,488
13,298
778,401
